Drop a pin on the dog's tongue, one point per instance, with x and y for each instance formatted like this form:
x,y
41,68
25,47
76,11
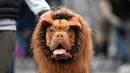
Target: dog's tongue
x,y
61,54
59,51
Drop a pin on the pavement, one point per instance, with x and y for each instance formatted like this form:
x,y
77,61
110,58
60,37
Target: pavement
x,y
25,66
28,66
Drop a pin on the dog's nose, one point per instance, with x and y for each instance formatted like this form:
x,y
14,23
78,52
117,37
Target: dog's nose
x,y
59,34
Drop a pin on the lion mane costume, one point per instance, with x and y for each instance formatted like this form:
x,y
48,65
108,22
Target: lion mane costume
x,y
62,43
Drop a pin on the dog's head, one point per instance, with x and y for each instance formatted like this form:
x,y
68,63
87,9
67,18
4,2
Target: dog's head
x,y
60,34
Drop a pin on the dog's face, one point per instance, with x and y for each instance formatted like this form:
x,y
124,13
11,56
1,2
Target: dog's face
x,y
62,38
60,35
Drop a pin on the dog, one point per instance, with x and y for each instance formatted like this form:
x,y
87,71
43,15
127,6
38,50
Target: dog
x,y
62,42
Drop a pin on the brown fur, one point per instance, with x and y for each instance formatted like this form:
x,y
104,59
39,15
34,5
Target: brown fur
x,y
79,65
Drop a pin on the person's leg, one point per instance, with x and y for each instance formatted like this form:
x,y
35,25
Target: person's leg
x,y
121,45
7,46
102,38
12,64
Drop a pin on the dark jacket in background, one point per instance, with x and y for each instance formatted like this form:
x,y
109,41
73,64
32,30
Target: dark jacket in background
x,y
9,9
26,17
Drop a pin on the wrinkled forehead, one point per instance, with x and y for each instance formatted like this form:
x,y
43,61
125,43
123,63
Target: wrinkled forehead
x,y
60,20
61,23
65,23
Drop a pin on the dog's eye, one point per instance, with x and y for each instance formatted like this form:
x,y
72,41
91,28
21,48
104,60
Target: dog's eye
x,y
52,29
69,29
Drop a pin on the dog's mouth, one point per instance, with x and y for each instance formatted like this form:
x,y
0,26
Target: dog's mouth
x,y
60,53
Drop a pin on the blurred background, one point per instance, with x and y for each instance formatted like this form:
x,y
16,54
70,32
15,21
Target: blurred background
x,y
110,24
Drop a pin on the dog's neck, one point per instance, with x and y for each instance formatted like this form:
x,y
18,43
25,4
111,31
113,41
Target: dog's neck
x,y
74,67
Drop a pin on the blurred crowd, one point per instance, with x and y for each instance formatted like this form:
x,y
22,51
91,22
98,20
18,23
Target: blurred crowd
x,y
108,19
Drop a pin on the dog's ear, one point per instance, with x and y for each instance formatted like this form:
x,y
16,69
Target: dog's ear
x,y
39,15
84,25
46,18
74,22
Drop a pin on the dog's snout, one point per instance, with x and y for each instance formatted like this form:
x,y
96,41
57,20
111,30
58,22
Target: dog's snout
x,y
60,34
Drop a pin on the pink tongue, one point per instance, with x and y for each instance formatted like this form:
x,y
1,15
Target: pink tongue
x,y
59,51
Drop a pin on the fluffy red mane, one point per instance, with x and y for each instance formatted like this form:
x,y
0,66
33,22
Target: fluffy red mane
x,y
84,54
